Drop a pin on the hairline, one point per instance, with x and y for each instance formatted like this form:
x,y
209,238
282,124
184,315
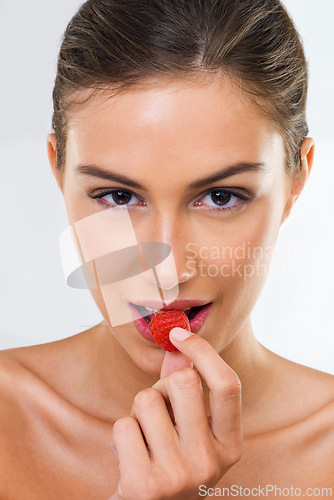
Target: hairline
x,y
108,90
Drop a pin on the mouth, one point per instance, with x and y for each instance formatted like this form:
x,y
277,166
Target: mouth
x,y
142,317
148,313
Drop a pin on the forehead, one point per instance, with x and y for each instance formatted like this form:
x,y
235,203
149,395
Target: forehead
x,y
171,121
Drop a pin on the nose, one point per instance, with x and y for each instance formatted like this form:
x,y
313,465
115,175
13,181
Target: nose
x,y
173,268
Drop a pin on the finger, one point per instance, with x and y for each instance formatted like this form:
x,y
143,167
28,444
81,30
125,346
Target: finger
x,y
150,410
174,361
222,381
127,440
185,392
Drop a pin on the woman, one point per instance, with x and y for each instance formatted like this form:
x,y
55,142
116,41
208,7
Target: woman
x,y
182,123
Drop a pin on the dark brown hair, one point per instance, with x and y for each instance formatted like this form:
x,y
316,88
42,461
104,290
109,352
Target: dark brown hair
x,y
115,44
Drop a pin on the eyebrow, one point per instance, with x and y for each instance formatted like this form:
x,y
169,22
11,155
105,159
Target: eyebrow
x,y
95,171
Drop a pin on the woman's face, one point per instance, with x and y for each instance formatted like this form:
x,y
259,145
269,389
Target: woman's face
x,y
167,138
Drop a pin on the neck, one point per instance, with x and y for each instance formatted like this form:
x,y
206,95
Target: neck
x,y
251,361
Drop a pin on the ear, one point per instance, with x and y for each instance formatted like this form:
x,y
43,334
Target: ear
x,y
52,155
298,180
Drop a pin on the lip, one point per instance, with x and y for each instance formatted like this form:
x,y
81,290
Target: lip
x,y
195,324
175,305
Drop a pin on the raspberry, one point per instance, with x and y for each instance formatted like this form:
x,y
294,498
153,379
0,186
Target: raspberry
x,y
162,323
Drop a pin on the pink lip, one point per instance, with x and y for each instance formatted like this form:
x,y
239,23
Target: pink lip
x,y
198,321
175,305
143,328
141,323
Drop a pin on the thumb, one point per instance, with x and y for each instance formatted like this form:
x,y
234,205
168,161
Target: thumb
x,y
174,360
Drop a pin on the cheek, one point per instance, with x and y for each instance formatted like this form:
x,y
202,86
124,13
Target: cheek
x,y
261,228
237,252
100,302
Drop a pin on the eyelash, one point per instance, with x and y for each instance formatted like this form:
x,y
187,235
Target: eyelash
x,y
242,198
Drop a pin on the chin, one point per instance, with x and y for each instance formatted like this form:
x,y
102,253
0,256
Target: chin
x,y
148,358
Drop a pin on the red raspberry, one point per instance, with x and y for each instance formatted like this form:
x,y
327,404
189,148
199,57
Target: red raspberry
x,y
162,323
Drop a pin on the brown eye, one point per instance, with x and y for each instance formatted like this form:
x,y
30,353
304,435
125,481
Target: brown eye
x,y
118,198
222,200
221,197
121,197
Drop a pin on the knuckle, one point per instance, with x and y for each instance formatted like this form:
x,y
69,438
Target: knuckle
x,y
232,452
235,453
178,481
228,387
147,396
185,377
210,466
123,425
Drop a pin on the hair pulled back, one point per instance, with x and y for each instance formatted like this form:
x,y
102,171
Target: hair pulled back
x,y
115,44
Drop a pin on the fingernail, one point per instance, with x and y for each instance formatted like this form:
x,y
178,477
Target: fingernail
x,y
180,334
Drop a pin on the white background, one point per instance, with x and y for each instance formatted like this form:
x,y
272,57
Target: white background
x,y
295,313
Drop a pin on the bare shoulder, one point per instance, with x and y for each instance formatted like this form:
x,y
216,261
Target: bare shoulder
x,y
299,404
312,392
28,401
316,444
311,395
314,386
20,390
20,387
46,377
302,389
51,362
41,433
31,381
12,376
40,355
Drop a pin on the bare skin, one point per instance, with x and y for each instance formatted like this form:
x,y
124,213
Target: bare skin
x,y
64,441
60,400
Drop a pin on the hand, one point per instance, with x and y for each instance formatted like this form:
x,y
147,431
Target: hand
x,y
167,453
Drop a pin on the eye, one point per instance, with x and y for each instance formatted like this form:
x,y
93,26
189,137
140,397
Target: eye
x,y
222,199
116,197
